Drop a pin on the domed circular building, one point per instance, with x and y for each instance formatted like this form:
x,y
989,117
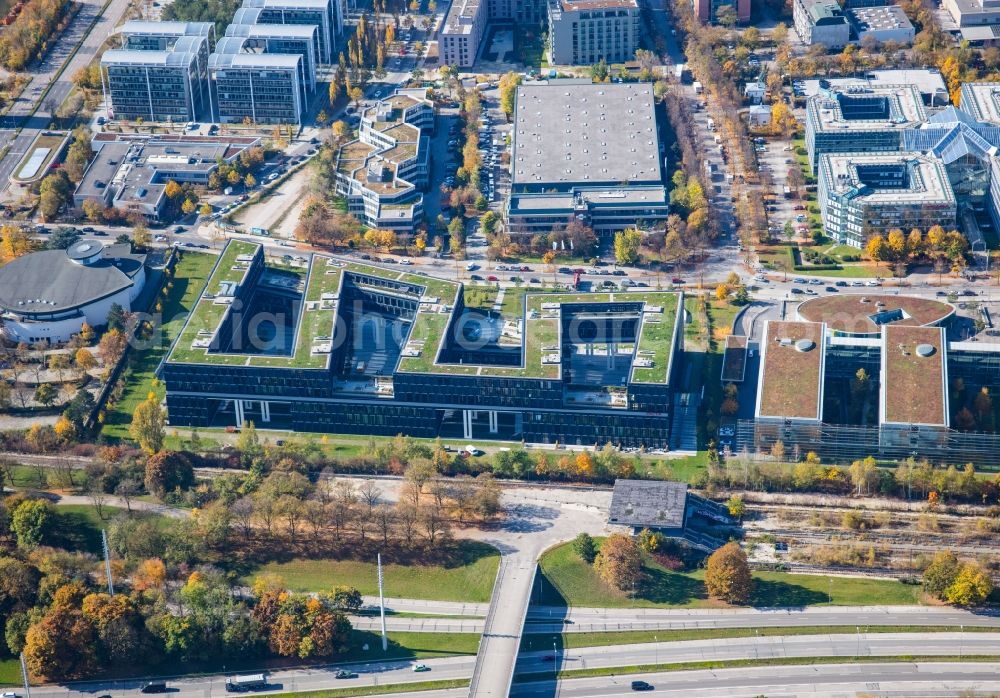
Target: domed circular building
x,y
864,314
48,295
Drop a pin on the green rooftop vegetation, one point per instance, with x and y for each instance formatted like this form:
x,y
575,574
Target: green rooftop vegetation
x,y
541,337
317,318
656,340
438,298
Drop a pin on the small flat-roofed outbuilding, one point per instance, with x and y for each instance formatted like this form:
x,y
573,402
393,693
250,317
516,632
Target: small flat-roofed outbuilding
x,y
666,507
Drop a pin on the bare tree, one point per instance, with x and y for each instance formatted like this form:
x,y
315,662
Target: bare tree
x,y
128,489
384,518
370,495
342,509
243,510
406,514
316,513
98,497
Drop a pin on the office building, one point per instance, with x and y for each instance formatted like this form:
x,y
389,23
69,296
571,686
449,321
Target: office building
x,y
821,22
864,194
860,119
325,15
584,151
260,88
49,294
161,85
973,13
707,11
355,348
144,35
806,396
382,172
131,173
882,23
290,39
583,32
462,32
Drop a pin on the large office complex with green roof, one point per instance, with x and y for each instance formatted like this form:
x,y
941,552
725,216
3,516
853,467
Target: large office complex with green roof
x,y
885,376
332,345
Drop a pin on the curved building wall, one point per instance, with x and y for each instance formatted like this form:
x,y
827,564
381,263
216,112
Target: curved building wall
x,y
62,330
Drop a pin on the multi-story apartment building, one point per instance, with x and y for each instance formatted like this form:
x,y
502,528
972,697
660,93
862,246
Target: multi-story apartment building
x,y
586,31
863,194
382,172
356,348
584,151
462,31
264,88
293,39
160,85
326,15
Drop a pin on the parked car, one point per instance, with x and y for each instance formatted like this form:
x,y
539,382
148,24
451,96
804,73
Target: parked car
x,y
677,280
154,687
492,278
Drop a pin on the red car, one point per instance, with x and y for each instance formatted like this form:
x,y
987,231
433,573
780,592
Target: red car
x,y
676,280
525,268
492,278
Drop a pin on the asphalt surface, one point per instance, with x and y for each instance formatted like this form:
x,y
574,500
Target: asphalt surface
x,y
551,620
820,681
394,672
754,647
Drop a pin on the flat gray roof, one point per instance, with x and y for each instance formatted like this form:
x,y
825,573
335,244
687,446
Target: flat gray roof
x,y
102,169
648,503
567,132
49,281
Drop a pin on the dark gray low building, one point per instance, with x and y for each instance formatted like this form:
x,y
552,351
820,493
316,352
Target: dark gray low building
x,y
669,508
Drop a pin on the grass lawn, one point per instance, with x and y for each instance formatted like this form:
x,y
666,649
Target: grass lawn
x,y
409,646
629,637
189,278
569,580
686,469
849,271
471,581
10,672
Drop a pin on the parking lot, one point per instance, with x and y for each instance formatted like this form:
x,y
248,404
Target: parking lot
x,y
447,143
